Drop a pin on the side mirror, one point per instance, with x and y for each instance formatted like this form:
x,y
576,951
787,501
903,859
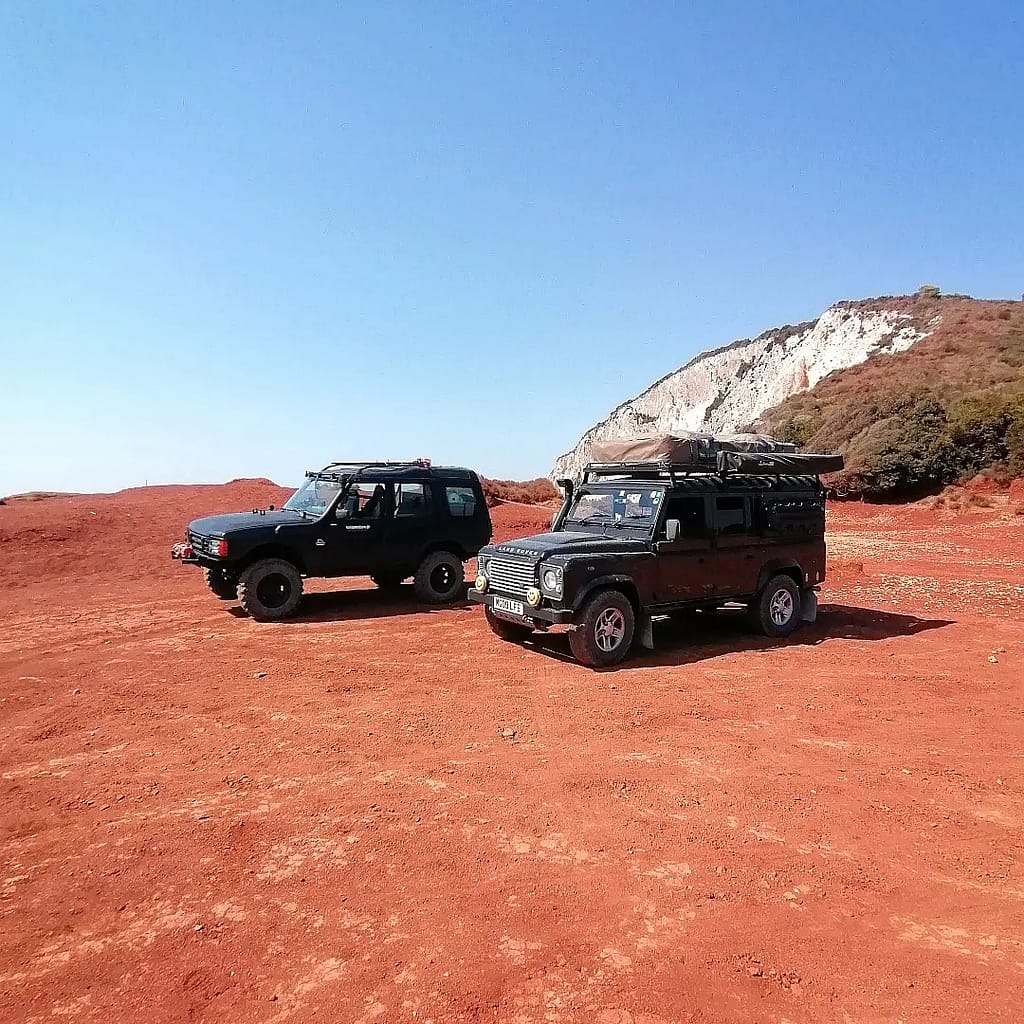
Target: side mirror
x,y
672,528
270,508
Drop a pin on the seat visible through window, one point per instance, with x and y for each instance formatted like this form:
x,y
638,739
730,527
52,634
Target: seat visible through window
x,y
412,501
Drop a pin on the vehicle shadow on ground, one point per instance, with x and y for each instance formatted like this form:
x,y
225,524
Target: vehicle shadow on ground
x,y
688,639
370,603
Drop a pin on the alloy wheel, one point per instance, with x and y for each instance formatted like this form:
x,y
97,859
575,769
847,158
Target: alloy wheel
x,y
609,629
781,607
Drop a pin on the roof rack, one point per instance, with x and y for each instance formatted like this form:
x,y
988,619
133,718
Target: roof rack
x,y
354,466
645,470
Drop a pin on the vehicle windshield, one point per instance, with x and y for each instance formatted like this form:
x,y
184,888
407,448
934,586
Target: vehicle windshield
x,y
619,506
313,497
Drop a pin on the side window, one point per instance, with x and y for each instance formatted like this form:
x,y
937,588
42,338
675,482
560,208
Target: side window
x,y
461,502
363,500
690,513
412,500
730,515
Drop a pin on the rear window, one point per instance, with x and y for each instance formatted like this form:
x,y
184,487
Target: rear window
x,y
461,502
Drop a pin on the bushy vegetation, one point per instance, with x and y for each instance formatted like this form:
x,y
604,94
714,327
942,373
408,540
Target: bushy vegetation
x,y
525,492
911,423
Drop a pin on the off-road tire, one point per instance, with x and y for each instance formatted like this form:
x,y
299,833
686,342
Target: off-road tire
x,y
222,583
388,580
604,633
776,610
439,578
270,589
511,631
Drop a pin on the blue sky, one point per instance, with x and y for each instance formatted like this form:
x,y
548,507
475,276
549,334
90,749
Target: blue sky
x,y
243,239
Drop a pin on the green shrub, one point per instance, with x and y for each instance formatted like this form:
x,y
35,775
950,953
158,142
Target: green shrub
x,y
801,427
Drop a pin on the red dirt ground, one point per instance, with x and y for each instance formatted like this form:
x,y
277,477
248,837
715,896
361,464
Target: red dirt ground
x,y
377,812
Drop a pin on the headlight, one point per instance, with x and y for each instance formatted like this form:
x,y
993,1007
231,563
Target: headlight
x,y
533,597
551,580
481,582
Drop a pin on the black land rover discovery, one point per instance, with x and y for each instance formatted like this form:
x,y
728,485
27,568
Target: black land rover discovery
x,y
387,520
637,542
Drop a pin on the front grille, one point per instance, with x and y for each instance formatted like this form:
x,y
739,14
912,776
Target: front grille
x,y
200,544
510,577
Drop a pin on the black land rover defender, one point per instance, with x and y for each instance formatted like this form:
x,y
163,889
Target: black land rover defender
x,y
387,520
644,539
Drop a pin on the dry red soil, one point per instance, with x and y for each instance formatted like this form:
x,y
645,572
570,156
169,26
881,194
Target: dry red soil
x,y
378,812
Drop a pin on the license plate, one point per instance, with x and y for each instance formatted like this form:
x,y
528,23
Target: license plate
x,y
503,604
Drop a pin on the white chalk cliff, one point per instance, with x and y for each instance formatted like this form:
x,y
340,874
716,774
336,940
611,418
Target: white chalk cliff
x,y
727,389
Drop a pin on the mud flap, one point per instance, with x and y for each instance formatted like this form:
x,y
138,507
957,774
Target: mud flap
x,y
809,606
646,634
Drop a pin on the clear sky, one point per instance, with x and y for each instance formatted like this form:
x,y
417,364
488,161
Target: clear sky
x,y
244,239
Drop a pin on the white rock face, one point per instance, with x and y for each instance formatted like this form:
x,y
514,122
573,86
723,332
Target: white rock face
x,y
729,388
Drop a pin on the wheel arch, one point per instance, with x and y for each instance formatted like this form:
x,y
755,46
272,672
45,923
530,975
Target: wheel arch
x,y
265,551
788,568
451,546
625,585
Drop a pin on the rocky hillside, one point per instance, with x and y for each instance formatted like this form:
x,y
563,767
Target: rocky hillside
x,y
949,407
916,391
729,388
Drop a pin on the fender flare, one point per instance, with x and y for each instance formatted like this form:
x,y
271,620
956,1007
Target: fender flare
x,y
787,567
616,581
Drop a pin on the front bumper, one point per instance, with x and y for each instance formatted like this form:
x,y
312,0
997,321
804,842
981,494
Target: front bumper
x,y
183,552
554,616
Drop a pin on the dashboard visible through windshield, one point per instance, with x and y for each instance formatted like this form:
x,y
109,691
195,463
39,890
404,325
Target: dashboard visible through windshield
x,y
626,506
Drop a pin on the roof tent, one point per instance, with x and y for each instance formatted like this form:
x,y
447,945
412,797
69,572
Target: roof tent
x,y
683,453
